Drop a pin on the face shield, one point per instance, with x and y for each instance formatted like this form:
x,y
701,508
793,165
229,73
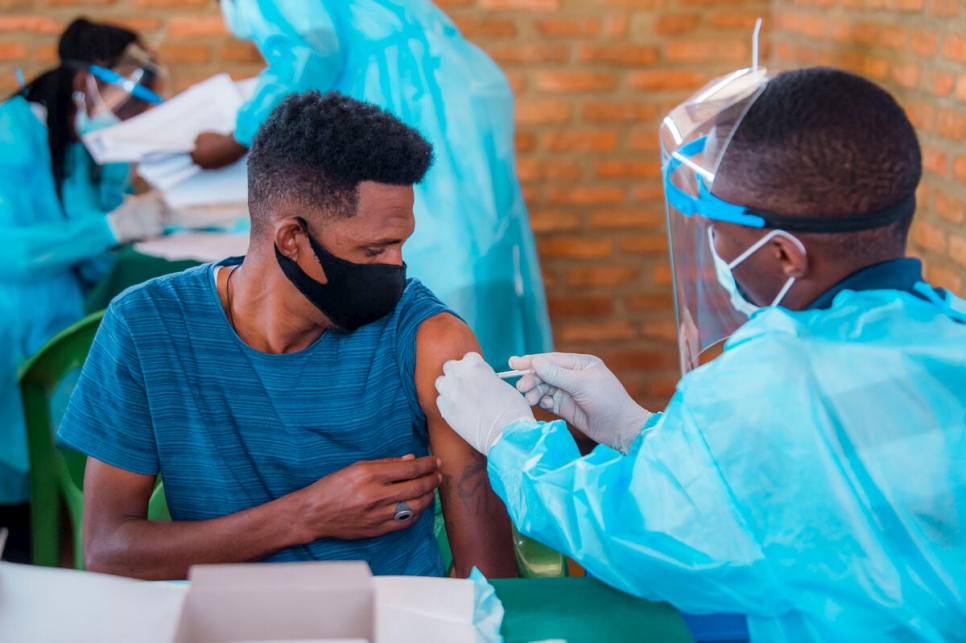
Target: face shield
x,y
128,88
694,137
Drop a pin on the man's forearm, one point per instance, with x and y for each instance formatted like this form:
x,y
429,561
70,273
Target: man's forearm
x,y
165,550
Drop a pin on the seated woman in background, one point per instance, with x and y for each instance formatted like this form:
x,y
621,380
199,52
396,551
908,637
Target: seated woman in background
x,y
60,211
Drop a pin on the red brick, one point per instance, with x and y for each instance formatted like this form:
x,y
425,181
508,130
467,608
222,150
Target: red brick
x,y
569,27
602,275
181,53
537,170
909,5
517,80
553,220
743,22
665,79
941,82
619,112
706,51
619,54
12,50
946,8
68,3
141,24
575,247
839,30
906,75
628,169
892,37
529,53
611,330
954,47
529,110
922,115
625,360
648,192
575,81
644,244
877,68
581,141
171,4
675,24
667,330
47,54
189,26
643,301
486,27
240,52
935,161
586,195
525,141
952,124
865,33
616,26
642,140
924,43
662,276
930,236
959,168
949,208
576,306
627,218
957,250
31,24
632,4
526,5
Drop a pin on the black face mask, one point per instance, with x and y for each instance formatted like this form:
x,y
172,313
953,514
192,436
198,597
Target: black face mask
x,y
356,294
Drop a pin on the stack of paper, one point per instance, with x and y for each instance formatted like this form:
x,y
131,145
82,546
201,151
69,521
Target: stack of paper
x,y
161,139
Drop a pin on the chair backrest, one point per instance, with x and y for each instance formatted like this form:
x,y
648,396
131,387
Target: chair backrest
x,y
46,382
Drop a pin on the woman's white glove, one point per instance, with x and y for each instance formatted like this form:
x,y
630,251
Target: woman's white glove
x,y
477,403
584,392
139,217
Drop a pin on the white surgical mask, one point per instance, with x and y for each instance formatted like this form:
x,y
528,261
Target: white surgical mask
x,y
724,271
85,124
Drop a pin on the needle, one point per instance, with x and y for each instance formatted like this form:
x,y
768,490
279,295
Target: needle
x,y
508,374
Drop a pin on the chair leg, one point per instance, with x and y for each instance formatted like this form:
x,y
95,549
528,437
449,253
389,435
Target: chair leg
x,y
45,525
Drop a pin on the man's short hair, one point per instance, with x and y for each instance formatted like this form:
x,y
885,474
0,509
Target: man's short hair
x,y
821,141
314,149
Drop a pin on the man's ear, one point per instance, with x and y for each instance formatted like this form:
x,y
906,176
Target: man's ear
x,y
288,234
794,261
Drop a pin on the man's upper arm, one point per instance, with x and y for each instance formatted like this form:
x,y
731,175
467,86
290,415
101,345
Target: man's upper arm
x,y
108,416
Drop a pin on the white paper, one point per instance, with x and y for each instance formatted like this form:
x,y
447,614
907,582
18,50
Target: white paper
x,y
209,106
47,604
225,185
414,609
196,246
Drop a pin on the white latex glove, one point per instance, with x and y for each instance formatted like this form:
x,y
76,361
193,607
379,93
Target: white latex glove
x,y
581,390
139,217
477,403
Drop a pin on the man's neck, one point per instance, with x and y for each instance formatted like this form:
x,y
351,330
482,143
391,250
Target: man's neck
x,y
268,312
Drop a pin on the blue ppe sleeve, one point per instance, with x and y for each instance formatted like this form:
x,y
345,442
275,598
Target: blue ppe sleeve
x,y
631,520
46,249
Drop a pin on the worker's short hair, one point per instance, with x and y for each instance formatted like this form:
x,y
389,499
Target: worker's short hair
x,y
314,149
822,141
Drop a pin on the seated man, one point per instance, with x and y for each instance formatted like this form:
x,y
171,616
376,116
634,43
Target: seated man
x,y
287,398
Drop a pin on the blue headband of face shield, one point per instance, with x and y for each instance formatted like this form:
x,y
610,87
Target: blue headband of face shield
x,y
134,89
711,207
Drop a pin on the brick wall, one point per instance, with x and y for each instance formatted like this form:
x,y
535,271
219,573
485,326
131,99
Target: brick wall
x,y
592,78
917,50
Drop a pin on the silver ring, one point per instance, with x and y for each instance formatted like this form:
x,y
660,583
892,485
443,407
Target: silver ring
x,y
403,512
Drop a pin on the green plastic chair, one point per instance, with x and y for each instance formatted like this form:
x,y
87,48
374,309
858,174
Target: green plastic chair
x,y
534,560
55,473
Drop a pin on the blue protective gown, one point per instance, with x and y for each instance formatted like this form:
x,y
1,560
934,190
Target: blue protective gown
x,y
50,251
811,477
473,246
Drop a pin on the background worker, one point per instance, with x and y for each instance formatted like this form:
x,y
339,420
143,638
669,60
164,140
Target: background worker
x,y
473,246
811,476
59,211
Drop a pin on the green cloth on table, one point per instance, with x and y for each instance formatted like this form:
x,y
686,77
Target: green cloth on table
x,y
583,610
130,269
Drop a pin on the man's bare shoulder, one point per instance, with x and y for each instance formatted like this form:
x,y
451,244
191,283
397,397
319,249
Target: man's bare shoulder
x,y
443,337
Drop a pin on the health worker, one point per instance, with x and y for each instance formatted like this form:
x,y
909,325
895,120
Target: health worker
x,y
473,246
60,212
812,475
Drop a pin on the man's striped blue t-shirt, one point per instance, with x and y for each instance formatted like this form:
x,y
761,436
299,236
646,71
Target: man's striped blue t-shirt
x,y
169,387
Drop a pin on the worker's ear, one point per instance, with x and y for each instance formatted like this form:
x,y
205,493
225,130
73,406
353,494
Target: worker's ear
x,y
791,256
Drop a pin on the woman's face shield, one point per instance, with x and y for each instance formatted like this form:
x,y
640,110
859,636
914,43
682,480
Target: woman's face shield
x,y
694,137
128,88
